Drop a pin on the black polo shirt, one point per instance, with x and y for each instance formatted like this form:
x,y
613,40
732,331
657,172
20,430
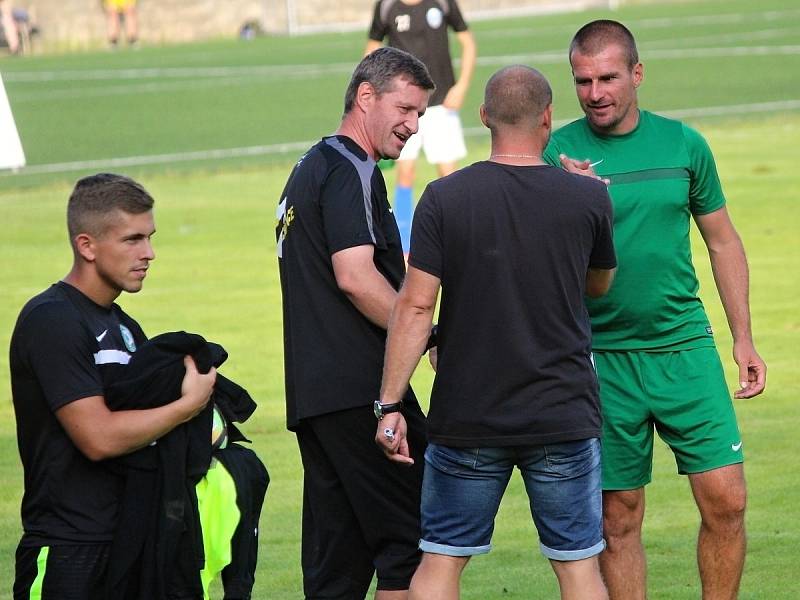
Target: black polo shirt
x,y
335,199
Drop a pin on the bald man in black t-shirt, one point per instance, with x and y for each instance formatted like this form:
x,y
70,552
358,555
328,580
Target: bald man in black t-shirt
x,y
515,245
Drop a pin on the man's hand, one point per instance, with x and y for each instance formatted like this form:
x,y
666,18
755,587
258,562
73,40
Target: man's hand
x,y
196,388
752,370
580,167
391,438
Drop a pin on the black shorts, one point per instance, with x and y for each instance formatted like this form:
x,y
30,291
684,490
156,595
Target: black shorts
x,y
360,511
74,572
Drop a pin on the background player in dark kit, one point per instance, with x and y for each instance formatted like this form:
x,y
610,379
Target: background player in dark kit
x,y
421,28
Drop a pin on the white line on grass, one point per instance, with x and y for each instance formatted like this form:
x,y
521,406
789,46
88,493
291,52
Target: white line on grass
x,y
285,148
741,36
560,56
316,70
203,77
657,23
174,72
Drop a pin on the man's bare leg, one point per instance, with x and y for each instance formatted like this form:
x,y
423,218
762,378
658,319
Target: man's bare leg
x,y
580,579
131,24
446,168
406,172
623,562
437,577
721,497
112,25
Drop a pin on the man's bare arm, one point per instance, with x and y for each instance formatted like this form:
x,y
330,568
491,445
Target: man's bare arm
x,y
469,52
100,433
598,281
731,275
362,283
409,328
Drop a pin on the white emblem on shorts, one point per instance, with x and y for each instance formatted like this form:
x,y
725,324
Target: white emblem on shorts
x,y
736,447
434,18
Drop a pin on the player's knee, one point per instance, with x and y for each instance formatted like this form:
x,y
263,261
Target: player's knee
x,y
620,529
728,510
623,505
623,513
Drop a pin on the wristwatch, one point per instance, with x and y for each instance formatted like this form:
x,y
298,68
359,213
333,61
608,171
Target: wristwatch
x,y
433,338
385,409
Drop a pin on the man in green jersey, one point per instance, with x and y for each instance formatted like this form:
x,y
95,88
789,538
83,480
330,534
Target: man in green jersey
x,y
653,345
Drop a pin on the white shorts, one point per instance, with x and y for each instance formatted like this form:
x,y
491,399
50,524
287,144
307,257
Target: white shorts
x,y
439,135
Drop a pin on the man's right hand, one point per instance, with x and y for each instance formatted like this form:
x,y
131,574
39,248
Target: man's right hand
x,y
196,387
391,438
580,167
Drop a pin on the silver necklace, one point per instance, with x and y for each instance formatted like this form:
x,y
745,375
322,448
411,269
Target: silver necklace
x,y
512,156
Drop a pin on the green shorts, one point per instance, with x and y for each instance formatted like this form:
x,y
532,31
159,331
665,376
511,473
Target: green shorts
x,y
683,395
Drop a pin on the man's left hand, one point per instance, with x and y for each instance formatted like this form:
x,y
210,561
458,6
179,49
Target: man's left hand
x,y
752,370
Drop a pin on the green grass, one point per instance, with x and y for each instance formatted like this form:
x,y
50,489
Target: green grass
x,y
216,272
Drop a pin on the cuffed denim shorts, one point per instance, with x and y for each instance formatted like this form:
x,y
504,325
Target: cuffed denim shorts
x,y
462,488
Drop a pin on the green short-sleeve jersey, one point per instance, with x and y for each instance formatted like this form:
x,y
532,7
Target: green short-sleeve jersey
x,y
661,174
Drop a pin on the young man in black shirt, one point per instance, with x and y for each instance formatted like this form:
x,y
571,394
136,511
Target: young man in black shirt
x,y
341,265
515,245
70,342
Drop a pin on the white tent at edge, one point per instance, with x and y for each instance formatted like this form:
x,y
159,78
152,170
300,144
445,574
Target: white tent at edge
x,y
11,153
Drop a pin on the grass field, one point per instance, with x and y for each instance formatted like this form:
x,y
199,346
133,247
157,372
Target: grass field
x,y
212,129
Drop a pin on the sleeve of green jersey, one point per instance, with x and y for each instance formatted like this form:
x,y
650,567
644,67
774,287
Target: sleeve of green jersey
x,y
550,154
705,189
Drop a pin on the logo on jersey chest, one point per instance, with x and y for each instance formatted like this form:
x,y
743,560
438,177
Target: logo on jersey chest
x,y
434,17
127,337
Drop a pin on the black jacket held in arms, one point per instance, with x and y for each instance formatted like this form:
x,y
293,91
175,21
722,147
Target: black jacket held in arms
x,y
157,551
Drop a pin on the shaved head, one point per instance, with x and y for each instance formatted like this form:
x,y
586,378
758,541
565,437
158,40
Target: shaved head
x,y
514,96
596,36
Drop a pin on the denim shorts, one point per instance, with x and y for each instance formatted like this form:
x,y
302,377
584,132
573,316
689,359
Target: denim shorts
x,y
462,488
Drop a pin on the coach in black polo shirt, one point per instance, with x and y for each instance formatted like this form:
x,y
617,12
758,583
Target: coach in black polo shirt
x,y
341,264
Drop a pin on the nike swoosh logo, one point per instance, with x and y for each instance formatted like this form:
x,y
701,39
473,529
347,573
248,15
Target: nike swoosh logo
x,y
100,337
735,447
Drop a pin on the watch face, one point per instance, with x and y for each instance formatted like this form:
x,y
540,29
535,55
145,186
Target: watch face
x,y
377,409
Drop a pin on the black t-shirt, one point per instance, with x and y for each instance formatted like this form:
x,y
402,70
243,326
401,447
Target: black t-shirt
x,y
512,246
64,348
335,199
421,30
